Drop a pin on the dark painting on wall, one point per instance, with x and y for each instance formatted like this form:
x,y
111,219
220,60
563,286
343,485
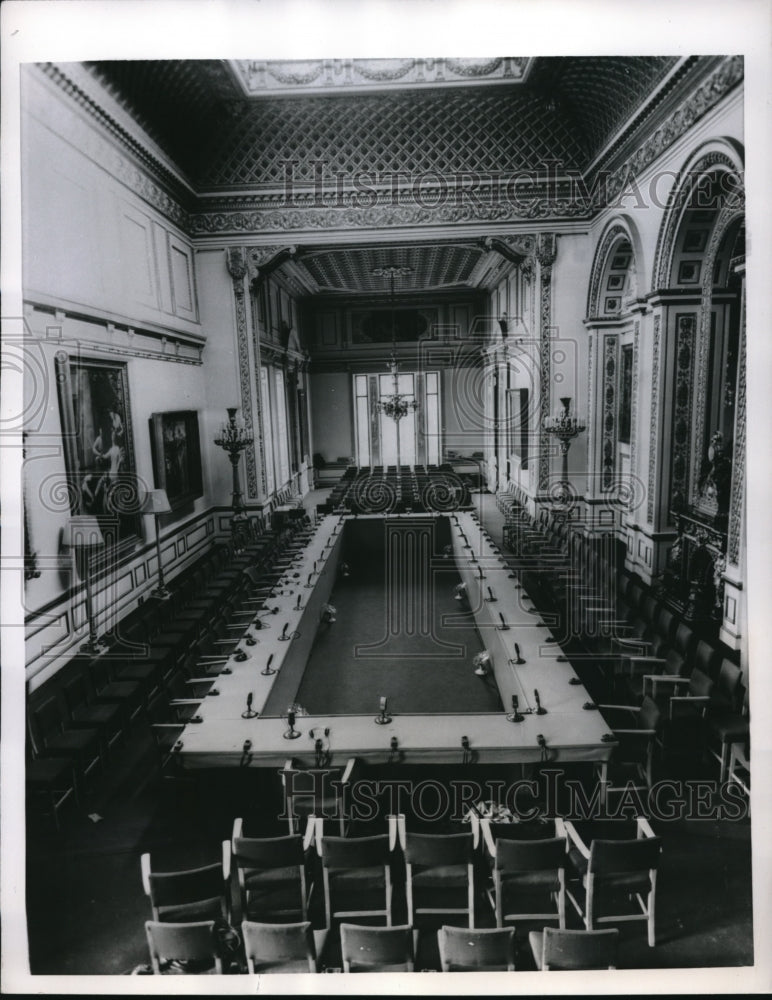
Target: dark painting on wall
x,y
98,444
177,455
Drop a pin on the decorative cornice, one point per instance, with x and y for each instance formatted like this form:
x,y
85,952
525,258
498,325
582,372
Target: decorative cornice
x,y
163,189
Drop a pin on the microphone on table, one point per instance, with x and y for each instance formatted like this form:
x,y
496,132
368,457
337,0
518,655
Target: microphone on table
x,y
268,669
544,756
291,733
308,581
503,627
284,635
298,606
539,709
480,571
518,658
515,715
491,596
250,713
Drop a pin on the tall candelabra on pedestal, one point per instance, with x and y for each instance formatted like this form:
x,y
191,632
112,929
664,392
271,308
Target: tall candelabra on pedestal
x,y
565,428
233,439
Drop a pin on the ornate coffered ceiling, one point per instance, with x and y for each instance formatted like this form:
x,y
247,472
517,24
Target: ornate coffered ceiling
x,y
240,127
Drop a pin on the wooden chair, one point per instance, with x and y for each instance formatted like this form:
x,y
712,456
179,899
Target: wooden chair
x,y
377,949
622,867
437,864
184,948
274,876
476,950
191,895
555,950
288,948
357,869
522,868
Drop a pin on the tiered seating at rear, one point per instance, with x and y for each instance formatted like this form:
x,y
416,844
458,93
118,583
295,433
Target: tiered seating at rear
x,y
380,490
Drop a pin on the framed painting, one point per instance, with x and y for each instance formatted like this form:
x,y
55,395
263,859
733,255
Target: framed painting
x,y
98,444
176,452
517,423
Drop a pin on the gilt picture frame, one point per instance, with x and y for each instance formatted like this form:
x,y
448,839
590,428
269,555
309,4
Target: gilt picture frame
x,y
176,451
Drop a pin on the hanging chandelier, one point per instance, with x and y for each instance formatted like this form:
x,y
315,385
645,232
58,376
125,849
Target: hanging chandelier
x,y
396,405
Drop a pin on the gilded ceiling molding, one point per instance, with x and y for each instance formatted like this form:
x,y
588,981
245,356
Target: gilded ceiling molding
x,y
237,268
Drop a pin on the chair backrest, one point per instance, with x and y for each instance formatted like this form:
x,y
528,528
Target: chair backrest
x,y
267,853
75,692
535,830
187,896
564,949
189,942
699,683
615,857
728,689
467,949
343,853
649,715
704,656
371,949
431,849
530,855
279,947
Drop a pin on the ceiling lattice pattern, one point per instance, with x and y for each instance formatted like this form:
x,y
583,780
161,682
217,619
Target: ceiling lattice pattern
x,y
563,108
353,270
599,94
462,131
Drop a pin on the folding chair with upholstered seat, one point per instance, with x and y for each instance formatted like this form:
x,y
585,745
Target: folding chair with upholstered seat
x,y
377,949
612,868
555,950
523,869
357,869
287,948
438,865
320,792
464,949
274,874
192,895
187,948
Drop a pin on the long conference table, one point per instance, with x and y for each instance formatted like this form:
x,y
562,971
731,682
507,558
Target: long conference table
x,y
571,728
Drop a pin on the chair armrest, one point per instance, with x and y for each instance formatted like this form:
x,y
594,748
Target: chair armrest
x,y
488,840
576,839
702,699
144,863
226,860
644,827
621,708
635,732
177,702
238,827
657,679
347,773
308,836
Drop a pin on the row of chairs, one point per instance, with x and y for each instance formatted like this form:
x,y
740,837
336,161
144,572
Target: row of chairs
x,y
296,948
274,878
644,650
77,724
367,489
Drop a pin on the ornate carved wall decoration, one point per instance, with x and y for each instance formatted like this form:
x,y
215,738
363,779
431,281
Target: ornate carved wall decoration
x,y
599,266
634,407
590,409
666,238
682,409
546,251
738,471
237,268
609,421
726,217
653,421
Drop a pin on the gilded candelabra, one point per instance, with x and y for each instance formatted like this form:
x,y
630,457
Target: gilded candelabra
x,y
234,439
565,428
